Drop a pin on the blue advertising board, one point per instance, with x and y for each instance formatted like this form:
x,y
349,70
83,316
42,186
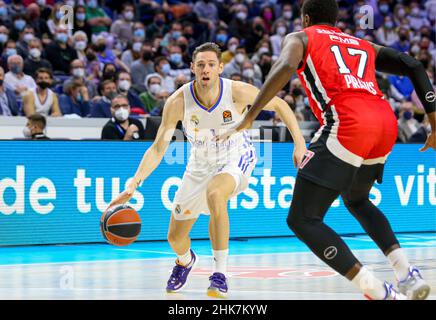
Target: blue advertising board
x,y
53,192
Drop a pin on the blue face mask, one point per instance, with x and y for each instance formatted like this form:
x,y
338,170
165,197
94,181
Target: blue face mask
x,y
222,37
59,15
389,24
176,34
140,33
166,68
81,16
92,4
11,52
3,38
62,37
176,58
3,12
19,24
384,8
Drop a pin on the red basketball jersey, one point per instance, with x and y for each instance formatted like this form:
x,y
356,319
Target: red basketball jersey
x,y
335,65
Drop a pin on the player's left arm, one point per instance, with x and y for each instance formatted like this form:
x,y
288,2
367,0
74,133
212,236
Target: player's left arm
x,y
280,74
244,94
394,62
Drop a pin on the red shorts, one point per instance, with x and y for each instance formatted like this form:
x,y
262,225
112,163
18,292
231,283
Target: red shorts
x,y
356,131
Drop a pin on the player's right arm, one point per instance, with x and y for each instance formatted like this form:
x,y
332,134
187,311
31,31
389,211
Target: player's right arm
x,y
172,113
394,62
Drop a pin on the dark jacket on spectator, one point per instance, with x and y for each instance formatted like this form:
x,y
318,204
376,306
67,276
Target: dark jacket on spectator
x,y
12,102
68,106
30,66
101,109
60,58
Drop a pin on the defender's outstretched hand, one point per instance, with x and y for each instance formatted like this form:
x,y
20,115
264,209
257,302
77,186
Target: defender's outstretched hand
x,y
430,143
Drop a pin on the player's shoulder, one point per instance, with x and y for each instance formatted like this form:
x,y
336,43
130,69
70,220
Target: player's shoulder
x,y
177,98
239,88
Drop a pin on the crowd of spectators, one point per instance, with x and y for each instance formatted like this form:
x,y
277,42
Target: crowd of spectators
x,y
142,50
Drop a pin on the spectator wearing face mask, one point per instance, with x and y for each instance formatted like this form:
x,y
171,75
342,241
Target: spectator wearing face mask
x,y
386,34
75,100
34,61
80,22
133,48
207,13
106,55
60,53
178,66
124,84
257,33
153,84
18,23
9,49
230,53
407,124
101,108
221,37
34,19
4,36
235,66
80,43
55,20
172,36
163,68
78,74
42,99
158,26
280,30
121,126
248,74
239,24
35,127
26,36
8,103
143,66
403,43
122,28
416,17
5,17
16,80
96,17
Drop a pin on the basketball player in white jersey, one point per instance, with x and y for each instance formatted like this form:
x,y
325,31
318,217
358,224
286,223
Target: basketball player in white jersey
x,y
208,107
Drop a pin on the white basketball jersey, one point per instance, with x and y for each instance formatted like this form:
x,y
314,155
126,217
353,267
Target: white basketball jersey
x,y
43,107
202,125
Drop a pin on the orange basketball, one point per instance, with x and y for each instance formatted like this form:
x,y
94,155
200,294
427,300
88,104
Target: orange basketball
x,y
120,225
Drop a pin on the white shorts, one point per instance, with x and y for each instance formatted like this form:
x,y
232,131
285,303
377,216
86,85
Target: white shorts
x,y
191,199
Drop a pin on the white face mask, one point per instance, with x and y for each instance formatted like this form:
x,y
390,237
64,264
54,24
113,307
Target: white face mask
x,y
35,53
154,88
287,15
27,133
248,73
137,46
79,72
263,50
281,30
124,85
240,58
121,114
80,45
241,15
232,48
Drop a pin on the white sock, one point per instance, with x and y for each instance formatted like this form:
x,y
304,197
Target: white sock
x,y
399,263
220,259
369,284
185,259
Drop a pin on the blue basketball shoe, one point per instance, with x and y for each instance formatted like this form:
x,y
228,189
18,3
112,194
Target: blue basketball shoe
x,y
218,286
180,273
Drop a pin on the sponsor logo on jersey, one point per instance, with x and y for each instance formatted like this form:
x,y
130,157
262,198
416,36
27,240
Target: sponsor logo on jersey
x,y
227,116
343,40
430,96
194,120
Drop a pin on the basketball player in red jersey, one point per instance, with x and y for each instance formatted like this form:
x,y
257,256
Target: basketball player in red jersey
x,y
348,153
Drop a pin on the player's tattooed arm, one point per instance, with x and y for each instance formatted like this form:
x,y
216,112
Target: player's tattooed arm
x,y
172,114
281,72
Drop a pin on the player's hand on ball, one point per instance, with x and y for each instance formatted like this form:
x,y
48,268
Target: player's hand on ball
x,y
299,152
124,196
430,143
